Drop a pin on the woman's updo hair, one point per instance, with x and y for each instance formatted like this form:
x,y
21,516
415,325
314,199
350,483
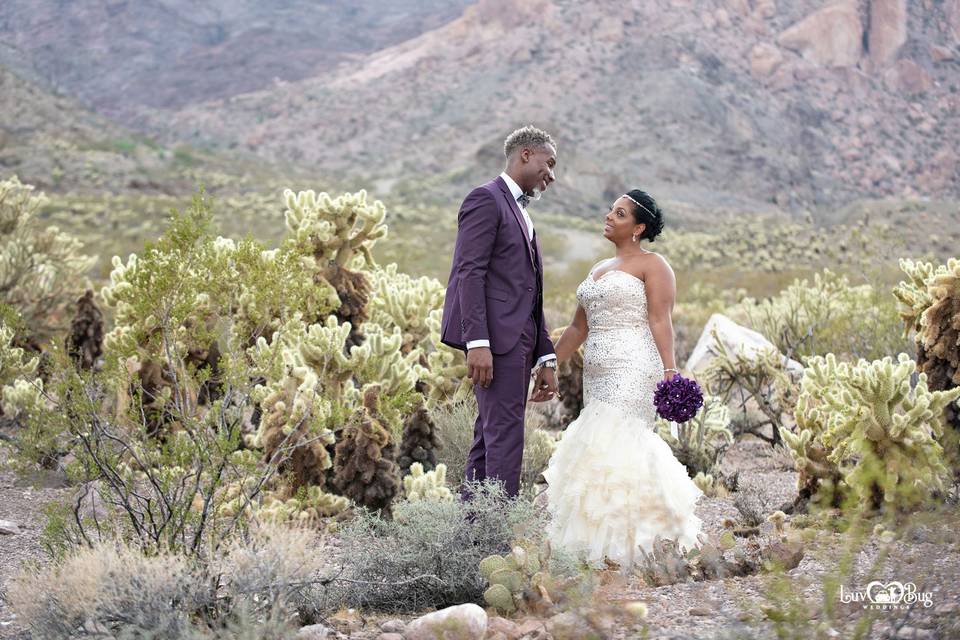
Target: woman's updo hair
x,y
646,211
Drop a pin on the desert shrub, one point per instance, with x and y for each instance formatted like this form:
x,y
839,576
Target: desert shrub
x,y
454,428
754,502
253,587
428,555
42,270
108,589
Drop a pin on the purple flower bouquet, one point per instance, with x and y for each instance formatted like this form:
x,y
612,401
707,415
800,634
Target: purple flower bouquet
x,y
678,399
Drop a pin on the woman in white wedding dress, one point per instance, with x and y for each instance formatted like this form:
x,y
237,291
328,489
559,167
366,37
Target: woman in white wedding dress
x,y
614,484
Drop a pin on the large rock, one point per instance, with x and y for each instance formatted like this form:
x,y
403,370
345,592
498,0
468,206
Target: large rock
x,y
764,59
908,77
887,31
9,528
313,632
736,339
952,9
461,622
829,37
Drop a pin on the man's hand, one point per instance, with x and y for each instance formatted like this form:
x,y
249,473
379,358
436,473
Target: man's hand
x,y
480,366
544,384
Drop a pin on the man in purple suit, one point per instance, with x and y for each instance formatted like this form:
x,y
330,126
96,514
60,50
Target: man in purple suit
x,y
494,305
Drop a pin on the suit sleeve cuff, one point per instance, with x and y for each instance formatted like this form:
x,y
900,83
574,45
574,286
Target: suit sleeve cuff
x,y
549,356
471,344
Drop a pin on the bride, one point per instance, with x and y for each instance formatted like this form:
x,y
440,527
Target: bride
x,y
614,485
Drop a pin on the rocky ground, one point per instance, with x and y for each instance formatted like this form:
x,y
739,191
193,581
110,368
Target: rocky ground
x,y
925,553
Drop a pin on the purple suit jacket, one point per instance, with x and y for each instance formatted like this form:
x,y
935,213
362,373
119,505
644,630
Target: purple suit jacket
x,y
496,280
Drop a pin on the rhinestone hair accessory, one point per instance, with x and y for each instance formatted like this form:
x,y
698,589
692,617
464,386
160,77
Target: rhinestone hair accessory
x,y
638,204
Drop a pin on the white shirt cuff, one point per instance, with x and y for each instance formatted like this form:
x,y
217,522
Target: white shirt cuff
x,y
549,356
477,343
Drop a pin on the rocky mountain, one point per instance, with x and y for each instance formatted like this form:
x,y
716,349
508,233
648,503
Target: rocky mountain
x,y
719,104
119,55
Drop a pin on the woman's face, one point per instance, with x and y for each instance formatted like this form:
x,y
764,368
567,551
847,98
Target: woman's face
x,y
619,223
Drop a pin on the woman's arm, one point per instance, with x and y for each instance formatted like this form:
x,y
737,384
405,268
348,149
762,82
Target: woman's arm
x,y
661,287
573,336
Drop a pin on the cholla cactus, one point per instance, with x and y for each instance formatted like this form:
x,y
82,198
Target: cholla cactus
x,y
432,485
309,506
335,238
296,410
19,386
445,376
341,230
14,361
364,469
569,381
42,270
401,301
419,441
85,342
761,379
879,434
700,442
931,307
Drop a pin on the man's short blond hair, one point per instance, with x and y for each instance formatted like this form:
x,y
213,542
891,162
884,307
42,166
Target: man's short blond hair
x,y
528,136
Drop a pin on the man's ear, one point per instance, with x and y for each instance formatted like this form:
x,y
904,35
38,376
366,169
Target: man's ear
x,y
525,154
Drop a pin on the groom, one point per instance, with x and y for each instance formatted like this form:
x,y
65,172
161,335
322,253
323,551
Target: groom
x,y
494,305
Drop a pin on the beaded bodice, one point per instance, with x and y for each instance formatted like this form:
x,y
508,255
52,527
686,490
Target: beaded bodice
x,y
621,363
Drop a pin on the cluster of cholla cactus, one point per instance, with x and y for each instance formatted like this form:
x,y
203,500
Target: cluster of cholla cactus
x,y
430,485
364,468
700,442
419,442
805,318
930,302
520,580
42,270
399,300
775,247
865,433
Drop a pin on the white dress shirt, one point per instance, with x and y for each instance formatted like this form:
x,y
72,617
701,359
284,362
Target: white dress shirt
x,y
516,191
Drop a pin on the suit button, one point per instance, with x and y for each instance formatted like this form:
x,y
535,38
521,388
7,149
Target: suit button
x,y
529,288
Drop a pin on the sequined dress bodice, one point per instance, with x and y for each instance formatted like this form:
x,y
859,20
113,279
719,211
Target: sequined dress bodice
x,y
621,364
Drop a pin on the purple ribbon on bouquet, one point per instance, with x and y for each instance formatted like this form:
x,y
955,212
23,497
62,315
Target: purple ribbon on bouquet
x,y
678,399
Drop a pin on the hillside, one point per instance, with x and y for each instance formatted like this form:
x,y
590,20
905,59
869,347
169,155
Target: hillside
x,y
732,103
119,55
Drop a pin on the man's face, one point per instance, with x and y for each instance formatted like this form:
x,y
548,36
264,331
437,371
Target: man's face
x,y
539,169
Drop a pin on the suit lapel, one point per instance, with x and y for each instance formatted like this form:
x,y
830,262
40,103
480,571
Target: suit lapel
x,y
515,208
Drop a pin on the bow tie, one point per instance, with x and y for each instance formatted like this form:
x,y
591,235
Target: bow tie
x,y
523,200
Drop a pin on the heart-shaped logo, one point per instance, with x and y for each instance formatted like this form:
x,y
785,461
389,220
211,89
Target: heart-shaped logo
x,y
890,593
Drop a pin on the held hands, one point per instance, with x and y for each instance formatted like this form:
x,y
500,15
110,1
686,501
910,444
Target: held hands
x,y
544,384
480,366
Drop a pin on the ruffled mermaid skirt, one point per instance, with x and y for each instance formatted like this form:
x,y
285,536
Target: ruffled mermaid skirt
x,y
615,486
